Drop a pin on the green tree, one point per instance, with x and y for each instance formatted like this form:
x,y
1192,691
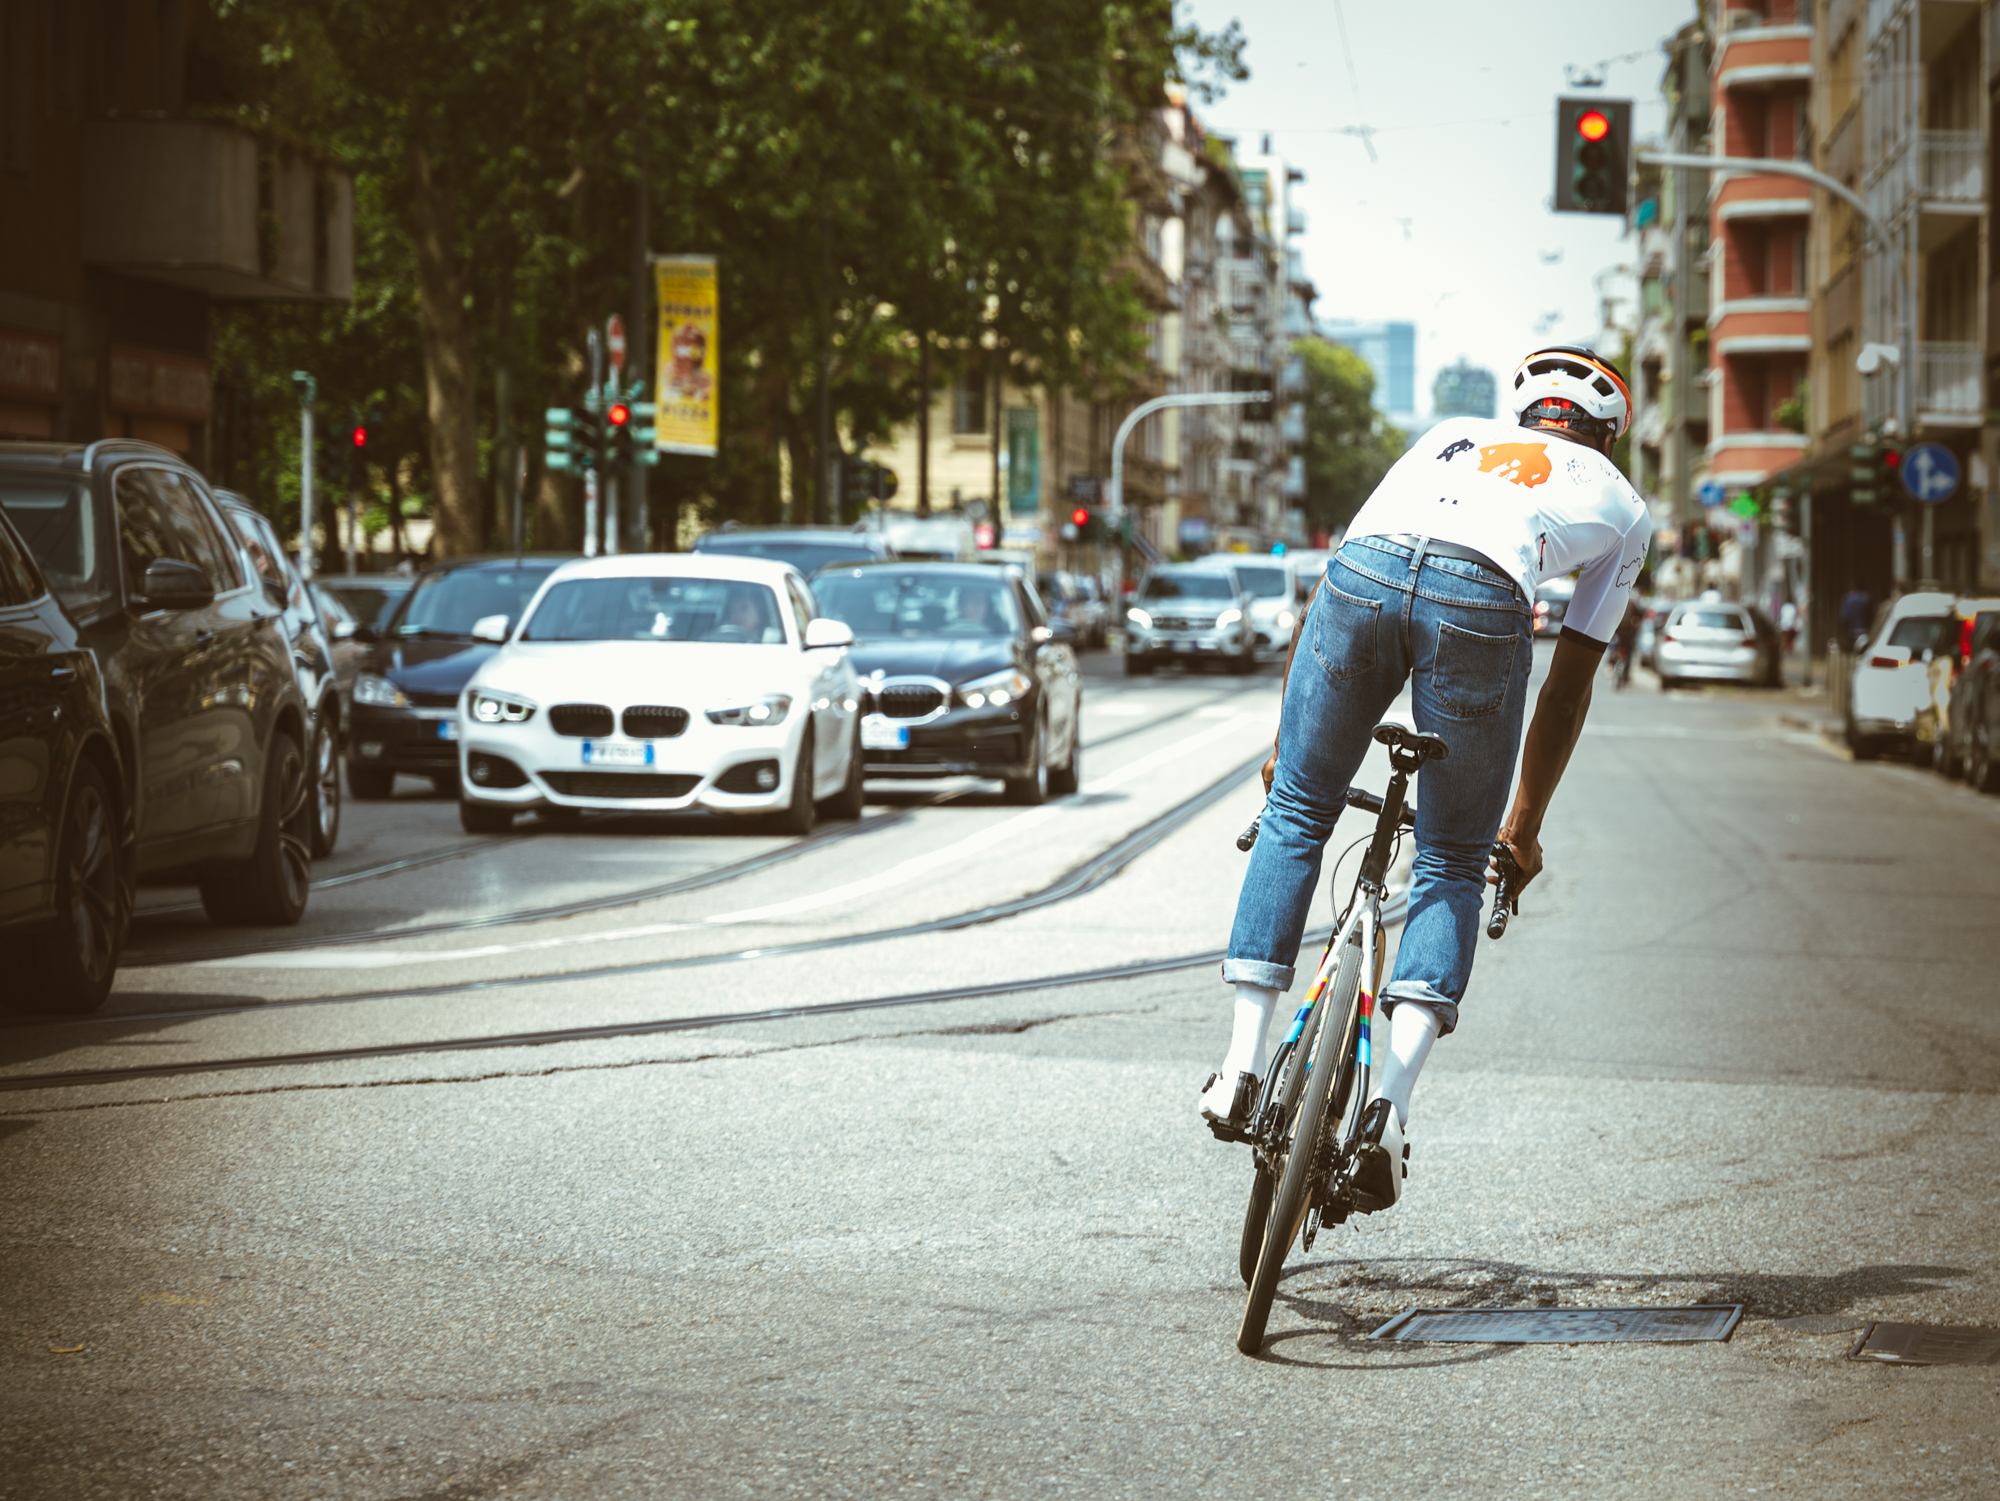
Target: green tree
x,y
1349,445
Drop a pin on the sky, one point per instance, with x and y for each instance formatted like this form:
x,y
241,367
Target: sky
x,y
1450,228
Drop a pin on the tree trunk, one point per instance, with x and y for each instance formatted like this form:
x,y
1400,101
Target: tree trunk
x,y
451,390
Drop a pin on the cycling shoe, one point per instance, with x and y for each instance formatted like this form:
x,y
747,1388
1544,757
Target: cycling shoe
x,y
1229,1105
1380,1162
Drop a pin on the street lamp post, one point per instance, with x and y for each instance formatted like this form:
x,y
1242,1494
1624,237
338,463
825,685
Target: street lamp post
x,y
1146,409
308,389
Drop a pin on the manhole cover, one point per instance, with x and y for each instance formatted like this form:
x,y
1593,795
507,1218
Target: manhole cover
x,y
1928,1344
1562,1326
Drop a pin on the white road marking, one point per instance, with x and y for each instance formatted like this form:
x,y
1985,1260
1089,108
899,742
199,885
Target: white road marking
x,y
949,857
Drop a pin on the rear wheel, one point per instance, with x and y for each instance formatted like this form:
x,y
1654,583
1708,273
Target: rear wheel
x,y
484,818
326,788
1982,771
269,889
1302,1159
847,804
798,815
370,784
70,963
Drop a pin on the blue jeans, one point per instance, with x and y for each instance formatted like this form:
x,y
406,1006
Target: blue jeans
x,y
1463,634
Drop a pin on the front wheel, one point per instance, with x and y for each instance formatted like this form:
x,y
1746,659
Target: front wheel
x,y
1032,790
69,965
326,788
269,889
1981,769
847,804
797,817
1067,777
1302,1159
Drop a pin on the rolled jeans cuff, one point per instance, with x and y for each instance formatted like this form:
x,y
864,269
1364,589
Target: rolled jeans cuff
x,y
1422,991
1277,977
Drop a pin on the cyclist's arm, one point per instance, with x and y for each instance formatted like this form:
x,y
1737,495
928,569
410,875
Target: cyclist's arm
x,y
1298,627
1559,715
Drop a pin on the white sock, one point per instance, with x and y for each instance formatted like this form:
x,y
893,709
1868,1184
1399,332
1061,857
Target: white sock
x,y
1254,1005
1413,1027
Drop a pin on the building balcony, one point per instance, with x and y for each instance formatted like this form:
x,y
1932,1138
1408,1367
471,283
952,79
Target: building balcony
x,y
1953,169
212,209
1949,380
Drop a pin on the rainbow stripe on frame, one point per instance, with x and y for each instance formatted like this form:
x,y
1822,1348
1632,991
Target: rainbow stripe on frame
x,y
1364,1046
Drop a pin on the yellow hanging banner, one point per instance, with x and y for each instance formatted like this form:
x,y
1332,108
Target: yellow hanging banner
x,y
690,354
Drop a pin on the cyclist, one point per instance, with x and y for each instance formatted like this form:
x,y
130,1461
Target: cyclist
x,y
1432,586
1625,641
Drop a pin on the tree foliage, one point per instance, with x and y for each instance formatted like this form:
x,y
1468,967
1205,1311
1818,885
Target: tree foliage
x,y
869,175
1349,445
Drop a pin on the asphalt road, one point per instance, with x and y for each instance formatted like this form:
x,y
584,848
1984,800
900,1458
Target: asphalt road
x,y
850,1188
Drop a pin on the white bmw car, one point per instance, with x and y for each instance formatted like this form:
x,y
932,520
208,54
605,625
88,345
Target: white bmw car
x,y
662,681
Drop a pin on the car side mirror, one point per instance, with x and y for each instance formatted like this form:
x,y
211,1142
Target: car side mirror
x,y
490,628
172,584
346,629
1061,631
826,631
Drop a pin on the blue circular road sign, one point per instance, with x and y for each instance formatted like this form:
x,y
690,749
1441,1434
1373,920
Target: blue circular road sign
x,y
1930,473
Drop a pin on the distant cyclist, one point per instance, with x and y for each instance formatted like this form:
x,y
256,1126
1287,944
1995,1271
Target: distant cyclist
x,y
1625,641
1432,587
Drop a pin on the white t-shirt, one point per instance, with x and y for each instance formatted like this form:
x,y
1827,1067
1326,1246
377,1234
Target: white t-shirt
x,y
1538,505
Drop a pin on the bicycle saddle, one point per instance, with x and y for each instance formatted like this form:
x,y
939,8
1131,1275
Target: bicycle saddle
x,y
1401,738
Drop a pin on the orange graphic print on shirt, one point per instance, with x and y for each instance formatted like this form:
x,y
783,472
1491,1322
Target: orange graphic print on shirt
x,y
1523,463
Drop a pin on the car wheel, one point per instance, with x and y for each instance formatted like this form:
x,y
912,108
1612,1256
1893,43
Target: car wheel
x,y
1066,778
1138,665
326,791
1982,770
370,784
269,889
1943,761
797,818
1032,790
847,803
70,963
484,818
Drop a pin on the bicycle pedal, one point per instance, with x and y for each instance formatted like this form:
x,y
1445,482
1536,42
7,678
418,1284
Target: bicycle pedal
x,y
1223,1131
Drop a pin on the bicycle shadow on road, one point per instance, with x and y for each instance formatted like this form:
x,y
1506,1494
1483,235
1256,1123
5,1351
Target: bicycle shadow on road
x,y
1345,1299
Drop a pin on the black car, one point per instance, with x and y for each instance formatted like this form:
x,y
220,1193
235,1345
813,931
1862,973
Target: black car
x,y
806,548
212,729
1980,755
65,837
371,598
403,710
311,640
965,675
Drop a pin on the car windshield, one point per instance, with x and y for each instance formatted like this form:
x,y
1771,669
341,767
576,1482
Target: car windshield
x,y
1189,586
370,602
1265,583
805,556
452,602
1921,633
657,609
1712,620
58,520
884,602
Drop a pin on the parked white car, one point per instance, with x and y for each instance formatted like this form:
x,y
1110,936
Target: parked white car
x,y
657,682
1891,681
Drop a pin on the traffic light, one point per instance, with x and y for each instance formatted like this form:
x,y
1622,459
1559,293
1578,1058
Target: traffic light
x,y
1782,517
1593,155
617,433
357,452
562,456
1873,471
645,433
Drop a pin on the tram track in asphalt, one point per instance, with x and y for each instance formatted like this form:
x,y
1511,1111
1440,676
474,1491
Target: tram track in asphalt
x,y
1075,882
697,881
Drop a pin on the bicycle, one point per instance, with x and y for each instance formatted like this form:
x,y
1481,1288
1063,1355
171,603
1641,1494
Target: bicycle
x,y
1306,1133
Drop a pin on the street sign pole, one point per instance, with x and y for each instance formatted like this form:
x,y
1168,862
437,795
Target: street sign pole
x,y
1930,477
308,389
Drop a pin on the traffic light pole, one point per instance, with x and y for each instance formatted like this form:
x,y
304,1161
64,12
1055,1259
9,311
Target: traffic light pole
x,y
1146,409
308,389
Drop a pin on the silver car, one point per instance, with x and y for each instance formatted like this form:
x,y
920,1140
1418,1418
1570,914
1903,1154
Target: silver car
x,y
1715,641
1271,588
1193,613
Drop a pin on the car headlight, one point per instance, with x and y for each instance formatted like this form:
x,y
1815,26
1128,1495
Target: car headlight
x,y
371,688
1286,620
770,709
1139,618
492,708
996,690
1227,618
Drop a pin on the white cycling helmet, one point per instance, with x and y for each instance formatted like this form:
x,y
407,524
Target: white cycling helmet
x,y
1566,385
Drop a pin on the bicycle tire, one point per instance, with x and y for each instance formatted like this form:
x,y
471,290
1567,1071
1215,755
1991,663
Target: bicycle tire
x,y
1290,1082
1294,1195
1254,1218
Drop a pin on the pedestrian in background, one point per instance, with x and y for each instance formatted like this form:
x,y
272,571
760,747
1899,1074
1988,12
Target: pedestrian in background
x,y
1857,610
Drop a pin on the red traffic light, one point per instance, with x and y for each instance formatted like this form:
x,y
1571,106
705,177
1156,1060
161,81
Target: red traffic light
x,y
361,437
619,415
1593,125
1080,517
1891,457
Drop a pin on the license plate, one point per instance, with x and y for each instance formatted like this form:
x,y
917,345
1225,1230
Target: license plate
x,y
878,733
1183,646
617,753
447,729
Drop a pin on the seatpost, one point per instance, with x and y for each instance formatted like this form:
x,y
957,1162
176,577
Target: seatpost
x,y
1375,867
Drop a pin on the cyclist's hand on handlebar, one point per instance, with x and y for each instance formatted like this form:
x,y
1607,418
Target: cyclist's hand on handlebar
x,y
1270,770
1527,857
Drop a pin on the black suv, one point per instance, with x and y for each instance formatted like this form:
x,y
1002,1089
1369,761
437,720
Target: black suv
x,y
65,842
212,730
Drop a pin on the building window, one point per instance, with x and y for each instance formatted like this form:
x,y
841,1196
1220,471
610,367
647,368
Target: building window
x,y
968,401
